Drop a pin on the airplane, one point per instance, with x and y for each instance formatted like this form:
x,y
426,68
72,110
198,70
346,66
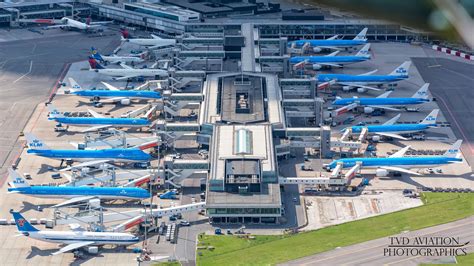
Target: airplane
x,y
392,130
133,154
76,239
398,163
126,72
363,81
153,43
67,23
382,101
331,43
81,193
97,121
113,93
114,58
330,60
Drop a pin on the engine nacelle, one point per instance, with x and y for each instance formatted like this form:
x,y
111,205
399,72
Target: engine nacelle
x,y
381,172
93,250
125,102
316,67
376,138
368,110
361,90
346,88
317,49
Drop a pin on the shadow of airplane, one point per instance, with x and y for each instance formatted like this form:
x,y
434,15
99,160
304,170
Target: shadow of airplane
x,y
29,206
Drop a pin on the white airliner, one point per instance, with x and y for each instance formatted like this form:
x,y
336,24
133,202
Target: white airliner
x,y
114,59
75,239
67,23
126,72
151,43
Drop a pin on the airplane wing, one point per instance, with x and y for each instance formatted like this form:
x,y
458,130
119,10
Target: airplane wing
x,y
360,86
73,246
385,107
333,53
399,169
92,129
330,64
333,37
369,73
392,121
110,87
100,22
55,26
74,201
400,153
330,48
95,114
154,36
125,66
391,135
116,99
85,164
384,95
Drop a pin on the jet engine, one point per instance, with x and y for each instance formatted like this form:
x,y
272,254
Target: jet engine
x,y
361,90
316,67
317,49
381,172
368,110
346,88
375,138
125,101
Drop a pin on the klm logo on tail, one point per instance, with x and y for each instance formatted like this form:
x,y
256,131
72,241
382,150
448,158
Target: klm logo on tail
x,y
401,71
18,181
430,118
36,144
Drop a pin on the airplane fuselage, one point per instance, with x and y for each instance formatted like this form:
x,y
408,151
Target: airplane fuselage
x,y
138,94
380,101
361,79
328,59
397,128
125,59
118,155
94,121
84,191
152,42
132,72
328,43
404,162
99,238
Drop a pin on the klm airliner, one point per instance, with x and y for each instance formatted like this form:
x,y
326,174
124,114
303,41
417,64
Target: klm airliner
x,y
97,121
382,101
21,186
362,82
332,43
135,154
112,93
390,129
331,60
398,163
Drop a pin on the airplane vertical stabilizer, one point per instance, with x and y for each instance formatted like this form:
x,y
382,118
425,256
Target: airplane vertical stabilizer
x,y
18,180
431,118
362,35
402,70
364,52
454,150
34,143
22,224
422,92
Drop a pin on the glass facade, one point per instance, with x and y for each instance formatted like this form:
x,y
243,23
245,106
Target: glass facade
x,y
243,211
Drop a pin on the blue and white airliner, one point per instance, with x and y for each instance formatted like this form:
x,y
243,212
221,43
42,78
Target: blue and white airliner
x,y
97,121
398,163
362,82
21,186
134,154
382,101
329,44
76,239
330,60
112,93
392,130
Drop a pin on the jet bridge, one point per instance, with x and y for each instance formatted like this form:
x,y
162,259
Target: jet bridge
x,y
178,169
113,138
113,216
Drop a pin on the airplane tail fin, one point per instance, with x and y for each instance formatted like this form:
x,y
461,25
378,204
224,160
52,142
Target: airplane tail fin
x,y
34,143
364,52
125,34
96,54
54,112
454,150
431,118
21,223
402,70
94,64
74,86
361,36
422,92
18,180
